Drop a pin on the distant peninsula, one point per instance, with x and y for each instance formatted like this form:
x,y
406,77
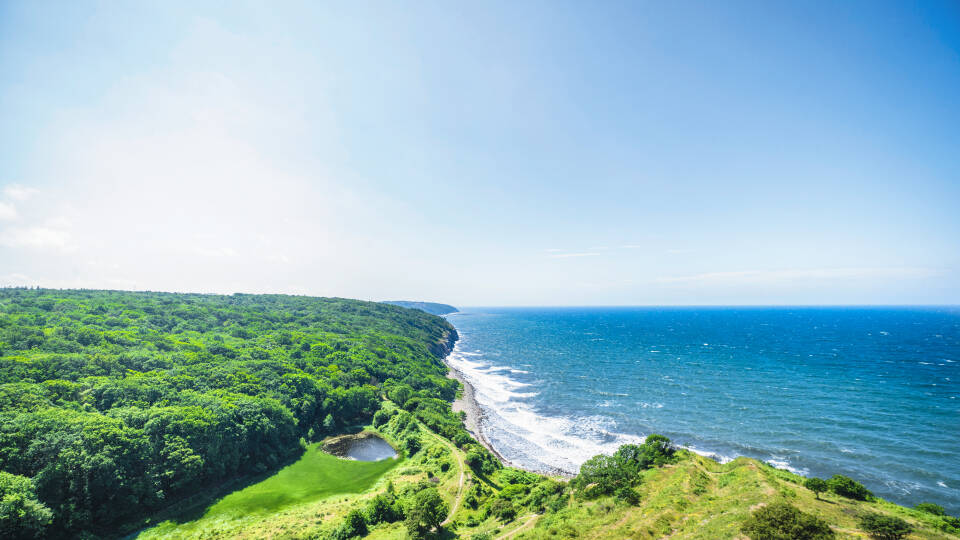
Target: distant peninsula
x,y
430,307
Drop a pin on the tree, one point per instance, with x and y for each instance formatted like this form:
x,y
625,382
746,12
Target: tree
x,y
601,475
504,510
883,527
383,509
21,514
782,521
412,444
816,485
848,487
329,424
426,512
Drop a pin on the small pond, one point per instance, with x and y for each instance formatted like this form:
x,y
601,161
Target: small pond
x,y
369,449
364,446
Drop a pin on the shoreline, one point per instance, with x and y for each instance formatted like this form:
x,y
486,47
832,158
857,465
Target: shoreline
x,y
475,417
467,403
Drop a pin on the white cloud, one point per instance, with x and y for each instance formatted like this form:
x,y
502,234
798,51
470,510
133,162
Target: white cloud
x,y
19,192
8,212
53,236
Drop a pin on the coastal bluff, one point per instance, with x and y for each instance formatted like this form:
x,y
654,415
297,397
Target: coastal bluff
x,y
432,308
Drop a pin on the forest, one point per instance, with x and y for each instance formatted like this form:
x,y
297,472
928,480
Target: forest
x,y
116,404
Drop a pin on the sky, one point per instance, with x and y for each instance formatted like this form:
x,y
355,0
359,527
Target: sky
x,y
486,153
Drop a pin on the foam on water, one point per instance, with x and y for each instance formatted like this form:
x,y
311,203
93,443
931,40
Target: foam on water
x,y
532,440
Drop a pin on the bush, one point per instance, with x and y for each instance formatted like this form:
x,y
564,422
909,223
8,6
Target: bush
x,y
816,485
627,495
381,417
849,488
885,527
504,510
354,524
782,521
383,509
601,475
412,444
931,508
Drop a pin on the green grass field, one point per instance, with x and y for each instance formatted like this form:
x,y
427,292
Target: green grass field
x,y
316,475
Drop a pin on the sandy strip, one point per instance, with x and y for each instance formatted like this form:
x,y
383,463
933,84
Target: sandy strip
x,y
475,415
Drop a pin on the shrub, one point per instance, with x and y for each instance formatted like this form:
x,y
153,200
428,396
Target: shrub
x,y
848,487
381,417
601,475
885,527
782,521
354,524
383,509
412,444
816,485
931,508
504,510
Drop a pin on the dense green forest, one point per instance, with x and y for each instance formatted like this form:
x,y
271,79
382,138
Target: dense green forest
x,y
115,404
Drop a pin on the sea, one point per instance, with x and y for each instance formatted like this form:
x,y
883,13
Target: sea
x,y
868,392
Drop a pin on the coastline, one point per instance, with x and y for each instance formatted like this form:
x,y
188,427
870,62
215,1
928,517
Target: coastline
x,y
475,417
467,403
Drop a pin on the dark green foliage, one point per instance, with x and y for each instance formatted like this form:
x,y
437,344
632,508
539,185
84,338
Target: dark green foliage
x,y
547,495
115,404
603,475
481,460
885,527
384,508
849,488
425,512
782,521
21,514
816,485
381,417
627,495
504,510
931,508
412,445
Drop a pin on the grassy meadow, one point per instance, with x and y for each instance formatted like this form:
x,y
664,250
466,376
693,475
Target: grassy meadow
x,y
315,476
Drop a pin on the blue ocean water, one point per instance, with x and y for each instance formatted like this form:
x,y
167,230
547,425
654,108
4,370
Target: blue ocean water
x,y
872,393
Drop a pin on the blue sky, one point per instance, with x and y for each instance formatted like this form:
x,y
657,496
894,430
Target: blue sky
x,y
488,154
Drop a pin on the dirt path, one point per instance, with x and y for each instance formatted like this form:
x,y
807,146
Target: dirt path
x,y
461,465
526,525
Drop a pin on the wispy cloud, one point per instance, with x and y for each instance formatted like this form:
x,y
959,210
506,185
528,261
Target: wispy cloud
x,y
772,276
568,255
18,192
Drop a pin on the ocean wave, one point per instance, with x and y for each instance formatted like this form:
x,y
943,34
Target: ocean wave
x,y
528,438
782,463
